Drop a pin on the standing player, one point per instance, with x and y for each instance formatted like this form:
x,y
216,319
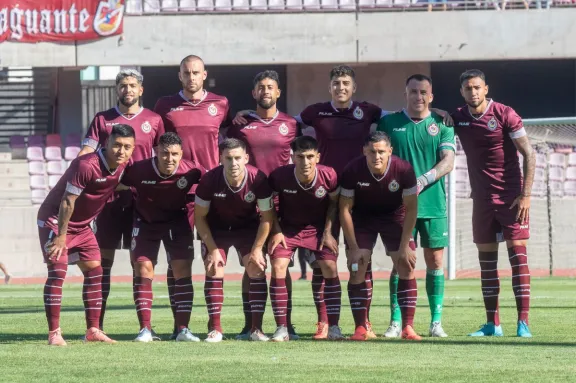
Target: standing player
x,y
196,115
308,204
267,134
492,134
65,233
228,200
162,184
114,223
421,138
379,196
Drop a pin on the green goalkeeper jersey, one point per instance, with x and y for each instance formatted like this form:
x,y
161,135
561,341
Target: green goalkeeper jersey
x,y
420,144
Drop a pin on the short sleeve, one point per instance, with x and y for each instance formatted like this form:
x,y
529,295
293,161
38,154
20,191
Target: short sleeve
x,y
382,124
94,136
513,124
374,112
347,181
227,121
80,176
159,131
160,108
307,115
446,138
333,187
128,176
409,185
196,173
203,191
272,180
261,187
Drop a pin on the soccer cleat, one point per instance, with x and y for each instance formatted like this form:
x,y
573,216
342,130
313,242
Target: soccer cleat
x,y
186,336
214,336
292,333
335,333
280,335
488,329
7,279
523,331
244,334
155,337
393,330
55,338
94,334
144,336
369,332
408,333
321,331
174,335
258,336
436,330
360,334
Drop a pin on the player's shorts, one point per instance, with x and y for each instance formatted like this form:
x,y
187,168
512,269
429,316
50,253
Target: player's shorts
x,y
306,239
241,239
190,210
433,233
177,238
113,226
81,244
495,222
390,233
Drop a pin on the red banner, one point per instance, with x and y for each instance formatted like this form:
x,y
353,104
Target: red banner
x,y
32,21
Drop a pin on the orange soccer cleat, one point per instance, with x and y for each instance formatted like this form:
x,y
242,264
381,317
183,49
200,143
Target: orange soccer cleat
x,y
408,333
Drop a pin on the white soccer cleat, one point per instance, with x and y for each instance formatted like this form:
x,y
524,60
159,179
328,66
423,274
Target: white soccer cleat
x,y
393,330
280,335
335,333
144,336
436,330
214,336
258,336
186,336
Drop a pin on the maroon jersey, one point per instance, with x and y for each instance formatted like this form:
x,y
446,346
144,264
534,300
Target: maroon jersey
x,y
147,125
234,208
303,206
197,124
340,133
89,178
161,199
378,198
268,142
493,165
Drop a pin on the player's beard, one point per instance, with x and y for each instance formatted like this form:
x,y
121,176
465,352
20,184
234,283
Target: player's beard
x,y
134,101
266,104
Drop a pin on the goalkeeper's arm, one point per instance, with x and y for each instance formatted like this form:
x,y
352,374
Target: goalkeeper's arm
x,y
443,167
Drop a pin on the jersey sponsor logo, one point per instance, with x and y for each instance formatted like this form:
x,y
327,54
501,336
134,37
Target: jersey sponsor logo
x,y
492,124
399,129
146,127
250,127
363,184
133,244
393,186
433,130
249,197
461,123
177,109
182,183
283,129
100,179
324,113
147,182
220,195
112,123
524,227
320,192
212,110
289,191
358,113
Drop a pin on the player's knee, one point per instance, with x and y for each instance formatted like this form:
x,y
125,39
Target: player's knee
x,y
279,270
254,272
434,258
487,247
404,268
144,269
516,242
329,269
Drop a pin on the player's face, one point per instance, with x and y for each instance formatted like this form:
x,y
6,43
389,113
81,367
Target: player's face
x,y
129,91
192,75
342,89
377,154
266,93
474,91
418,95
119,150
305,162
168,158
234,162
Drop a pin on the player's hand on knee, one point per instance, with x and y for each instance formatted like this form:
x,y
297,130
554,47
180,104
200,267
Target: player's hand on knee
x,y
213,260
407,259
275,240
256,258
56,247
330,242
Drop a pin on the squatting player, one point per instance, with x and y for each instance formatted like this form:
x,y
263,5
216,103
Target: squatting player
x,y
162,184
66,236
234,208
379,196
492,134
308,205
420,137
114,223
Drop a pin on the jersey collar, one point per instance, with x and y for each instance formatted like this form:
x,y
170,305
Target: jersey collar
x,y
204,95
158,171
483,114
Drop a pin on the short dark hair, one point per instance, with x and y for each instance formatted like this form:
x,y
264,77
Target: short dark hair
x,y
377,136
122,130
419,77
190,58
341,71
271,74
472,73
303,143
169,139
231,143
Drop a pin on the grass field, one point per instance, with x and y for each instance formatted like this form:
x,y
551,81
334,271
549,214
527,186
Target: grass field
x,y
548,357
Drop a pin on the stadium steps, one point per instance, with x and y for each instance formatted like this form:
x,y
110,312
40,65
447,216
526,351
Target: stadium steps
x,y
13,167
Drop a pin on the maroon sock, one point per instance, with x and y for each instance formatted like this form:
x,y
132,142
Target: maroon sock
x,y
183,298
357,294
143,300
289,302
318,294
258,297
333,299
369,283
407,297
53,293
92,296
279,298
106,270
214,294
171,286
520,280
246,301
490,284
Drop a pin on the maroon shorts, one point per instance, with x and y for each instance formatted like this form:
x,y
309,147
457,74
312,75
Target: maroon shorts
x,y
113,226
390,233
495,222
306,239
81,243
146,238
242,240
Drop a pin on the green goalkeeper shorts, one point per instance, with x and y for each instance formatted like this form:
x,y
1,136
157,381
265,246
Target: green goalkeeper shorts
x,y
431,233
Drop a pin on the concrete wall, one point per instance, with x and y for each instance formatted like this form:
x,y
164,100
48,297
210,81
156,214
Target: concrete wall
x,y
69,116
317,38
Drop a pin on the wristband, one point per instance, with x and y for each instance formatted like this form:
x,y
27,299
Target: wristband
x,y
354,267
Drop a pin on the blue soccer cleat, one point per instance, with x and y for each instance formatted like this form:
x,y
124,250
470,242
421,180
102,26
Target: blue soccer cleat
x,y
523,331
488,329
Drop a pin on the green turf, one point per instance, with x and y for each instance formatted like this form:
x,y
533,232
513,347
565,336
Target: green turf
x,y
549,356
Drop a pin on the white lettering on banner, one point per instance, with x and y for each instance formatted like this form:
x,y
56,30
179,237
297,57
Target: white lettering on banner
x,y
16,23
45,22
60,21
73,13
84,16
3,20
31,21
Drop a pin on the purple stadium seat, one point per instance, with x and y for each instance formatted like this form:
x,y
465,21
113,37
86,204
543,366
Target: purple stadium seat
x,y
151,6
38,196
557,159
205,5
460,162
17,142
570,188
36,167
36,140
223,5
53,180
73,139
53,140
294,5
53,153
366,3
277,5
55,167
71,152
169,6
572,159
571,173
539,174
556,173
556,188
346,4
541,161
34,153
38,182
188,5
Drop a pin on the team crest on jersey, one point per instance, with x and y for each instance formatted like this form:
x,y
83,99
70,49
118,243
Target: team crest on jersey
x,y
433,129
249,197
146,127
320,192
283,129
212,110
393,186
182,183
492,124
358,113
133,244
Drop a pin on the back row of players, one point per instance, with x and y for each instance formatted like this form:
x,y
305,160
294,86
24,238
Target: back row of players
x,y
330,184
